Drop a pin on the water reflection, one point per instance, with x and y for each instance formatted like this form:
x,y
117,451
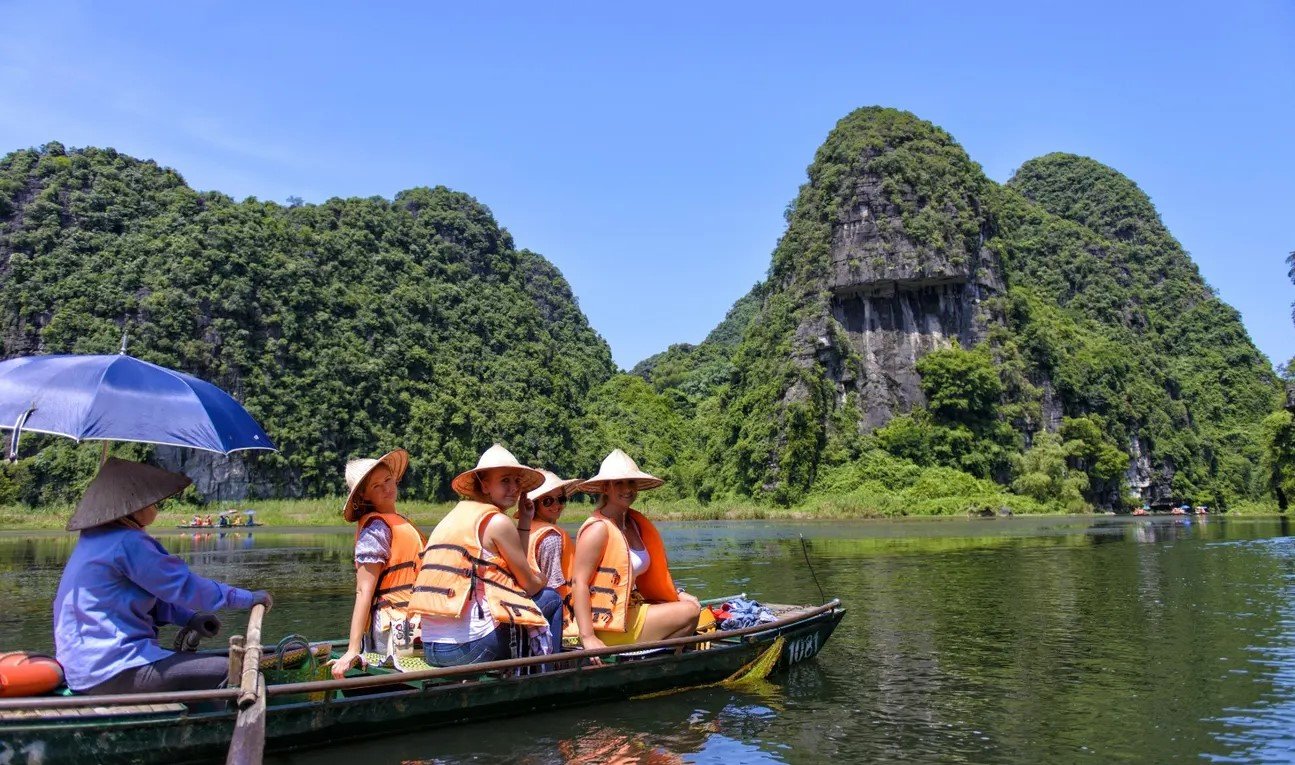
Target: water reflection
x,y
1265,730
1019,640
696,726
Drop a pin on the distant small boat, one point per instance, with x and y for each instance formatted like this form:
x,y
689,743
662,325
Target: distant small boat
x,y
218,527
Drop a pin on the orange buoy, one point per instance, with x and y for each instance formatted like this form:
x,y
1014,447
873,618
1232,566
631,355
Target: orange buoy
x,y
28,674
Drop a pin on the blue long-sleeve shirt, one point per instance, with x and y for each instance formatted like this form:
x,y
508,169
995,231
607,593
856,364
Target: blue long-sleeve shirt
x,y
119,585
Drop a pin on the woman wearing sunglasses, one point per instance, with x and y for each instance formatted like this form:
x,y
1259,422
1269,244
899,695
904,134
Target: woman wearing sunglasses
x,y
548,548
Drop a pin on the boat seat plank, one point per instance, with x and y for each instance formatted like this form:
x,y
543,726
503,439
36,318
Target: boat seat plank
x,y
129,710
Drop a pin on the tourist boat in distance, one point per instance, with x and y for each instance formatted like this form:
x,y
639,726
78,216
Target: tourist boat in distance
x,y
216,527
160,728
225,525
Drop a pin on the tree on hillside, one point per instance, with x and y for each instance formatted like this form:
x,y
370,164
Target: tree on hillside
x,y
1279,429
1290,274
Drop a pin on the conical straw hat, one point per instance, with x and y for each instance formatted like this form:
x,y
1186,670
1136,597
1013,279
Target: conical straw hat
x,y
618,466
494,458
121,488
357,470
551,484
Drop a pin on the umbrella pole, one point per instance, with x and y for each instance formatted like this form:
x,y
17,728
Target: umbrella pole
x,y
103,457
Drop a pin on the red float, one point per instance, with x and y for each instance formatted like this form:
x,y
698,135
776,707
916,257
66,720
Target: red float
x,y
28,674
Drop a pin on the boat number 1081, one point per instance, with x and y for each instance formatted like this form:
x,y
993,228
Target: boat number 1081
x,y
802,648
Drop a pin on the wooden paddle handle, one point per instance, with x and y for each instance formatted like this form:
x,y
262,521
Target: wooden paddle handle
x,y
249,687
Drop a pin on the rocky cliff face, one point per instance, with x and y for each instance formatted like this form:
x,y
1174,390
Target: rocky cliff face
x,y
887,253
218,478
898,299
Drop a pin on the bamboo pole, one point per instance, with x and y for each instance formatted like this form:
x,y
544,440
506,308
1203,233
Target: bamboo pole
x,y
118,699
237,647
725,599
400,678
249,686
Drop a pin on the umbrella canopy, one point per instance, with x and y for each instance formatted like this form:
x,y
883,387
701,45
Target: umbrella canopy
x,y
121,398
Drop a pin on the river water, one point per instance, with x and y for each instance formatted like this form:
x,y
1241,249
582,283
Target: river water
x,y
1005,640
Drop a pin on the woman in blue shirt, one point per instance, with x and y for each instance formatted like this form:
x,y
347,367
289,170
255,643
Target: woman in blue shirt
x,y
120,585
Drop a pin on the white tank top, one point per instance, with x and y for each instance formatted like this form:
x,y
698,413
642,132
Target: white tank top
x,y
639,561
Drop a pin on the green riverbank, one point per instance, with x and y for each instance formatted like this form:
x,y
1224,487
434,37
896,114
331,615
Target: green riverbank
x,y
325,512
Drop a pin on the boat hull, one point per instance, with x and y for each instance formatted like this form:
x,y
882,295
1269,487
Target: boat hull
x,y
186,736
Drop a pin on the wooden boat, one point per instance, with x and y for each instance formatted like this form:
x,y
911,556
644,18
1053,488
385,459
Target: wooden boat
x,y
159,727
218,527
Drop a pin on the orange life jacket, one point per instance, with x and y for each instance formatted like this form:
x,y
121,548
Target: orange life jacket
x,y
396,582
453,564
614,580
540,530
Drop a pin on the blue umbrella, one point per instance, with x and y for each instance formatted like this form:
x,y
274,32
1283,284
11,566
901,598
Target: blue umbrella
x,y
121,398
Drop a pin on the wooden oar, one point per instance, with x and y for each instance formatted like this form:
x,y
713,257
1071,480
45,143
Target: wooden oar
x,y
248,743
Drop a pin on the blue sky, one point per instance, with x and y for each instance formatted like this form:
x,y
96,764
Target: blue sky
x,y
649,152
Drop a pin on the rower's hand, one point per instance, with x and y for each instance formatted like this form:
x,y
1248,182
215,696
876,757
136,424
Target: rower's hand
x,y
590,643
345,661
262,598
204,623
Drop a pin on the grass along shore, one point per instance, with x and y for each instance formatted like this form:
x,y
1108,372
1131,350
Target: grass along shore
x,y
285,513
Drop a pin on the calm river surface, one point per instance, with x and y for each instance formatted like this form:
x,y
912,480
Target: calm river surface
x,y
1020,640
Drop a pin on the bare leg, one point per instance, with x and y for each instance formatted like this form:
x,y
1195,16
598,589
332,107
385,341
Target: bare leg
x,y
667,620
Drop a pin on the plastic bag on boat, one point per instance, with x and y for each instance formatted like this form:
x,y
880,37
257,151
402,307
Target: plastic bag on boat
x,y
397,634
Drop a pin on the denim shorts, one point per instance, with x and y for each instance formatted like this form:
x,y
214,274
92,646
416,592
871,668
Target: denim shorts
x,y
492,647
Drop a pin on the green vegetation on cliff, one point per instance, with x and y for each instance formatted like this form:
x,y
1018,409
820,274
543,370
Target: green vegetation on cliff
x,y
1279,430
926,340
1126,329
346,327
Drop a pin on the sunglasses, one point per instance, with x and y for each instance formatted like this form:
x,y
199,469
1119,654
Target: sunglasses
x,y
551,501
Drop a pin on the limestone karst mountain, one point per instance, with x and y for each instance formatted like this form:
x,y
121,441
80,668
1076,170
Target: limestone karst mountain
x,y
926,340
1096,324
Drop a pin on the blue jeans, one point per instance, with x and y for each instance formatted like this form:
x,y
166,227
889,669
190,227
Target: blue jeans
x,y
496,645
492,647
550,604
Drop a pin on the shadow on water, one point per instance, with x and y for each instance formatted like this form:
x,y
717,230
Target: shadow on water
x,y
1003,640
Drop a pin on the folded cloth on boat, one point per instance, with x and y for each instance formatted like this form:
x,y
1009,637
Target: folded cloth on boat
x,y
742,612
